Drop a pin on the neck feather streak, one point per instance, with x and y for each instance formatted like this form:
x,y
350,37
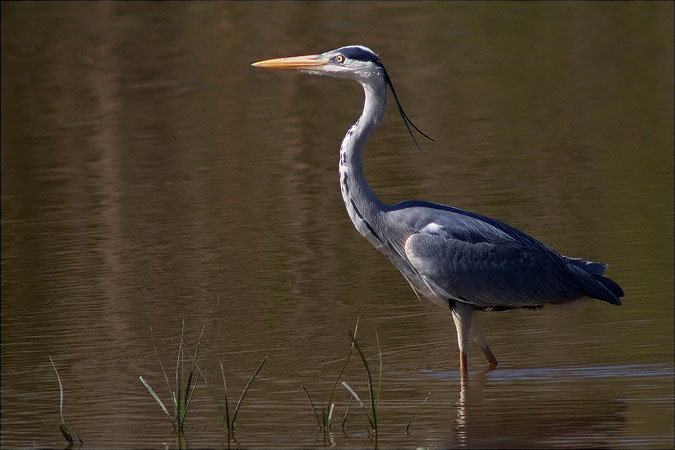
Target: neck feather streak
x,y
361,202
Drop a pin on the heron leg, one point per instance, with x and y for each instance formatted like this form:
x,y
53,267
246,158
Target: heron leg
x,y
480,339
461,316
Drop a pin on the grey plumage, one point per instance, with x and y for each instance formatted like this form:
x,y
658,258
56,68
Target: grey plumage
x,y
452,257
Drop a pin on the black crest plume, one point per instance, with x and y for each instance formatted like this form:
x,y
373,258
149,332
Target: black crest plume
x,y
406,120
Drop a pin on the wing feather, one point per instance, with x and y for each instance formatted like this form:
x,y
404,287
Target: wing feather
x,y
475,259
484,273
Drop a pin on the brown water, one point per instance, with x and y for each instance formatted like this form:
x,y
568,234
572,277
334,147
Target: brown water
x,y
148,171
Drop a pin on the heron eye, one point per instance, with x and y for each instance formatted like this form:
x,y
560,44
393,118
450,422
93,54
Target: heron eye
x,y
340,59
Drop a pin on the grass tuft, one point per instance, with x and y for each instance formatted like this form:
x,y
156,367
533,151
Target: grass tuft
x,y
326,418
374,393
230,421
185,386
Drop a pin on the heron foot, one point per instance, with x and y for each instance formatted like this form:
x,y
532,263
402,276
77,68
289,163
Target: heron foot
x,y
492,361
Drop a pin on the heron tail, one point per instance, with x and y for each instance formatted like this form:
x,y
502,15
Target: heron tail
x,y
596,285
612,287
596,268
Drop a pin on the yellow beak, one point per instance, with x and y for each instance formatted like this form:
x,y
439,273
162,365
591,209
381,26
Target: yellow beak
x,y
308,62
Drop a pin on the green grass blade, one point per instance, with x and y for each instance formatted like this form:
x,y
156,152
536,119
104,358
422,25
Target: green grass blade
x,y
417,412
58,378
379,375
224,415
344,419
311,403
191,386
62,426
66,434
76,432
166,378
157,399
344,366
330,414
177,396
185,395
370,382
245,390
358,399
227,405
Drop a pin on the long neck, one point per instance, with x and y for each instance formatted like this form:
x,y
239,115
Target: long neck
x,y
362,204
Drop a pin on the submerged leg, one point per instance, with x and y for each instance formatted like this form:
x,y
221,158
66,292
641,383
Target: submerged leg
x,y
461,315
480,339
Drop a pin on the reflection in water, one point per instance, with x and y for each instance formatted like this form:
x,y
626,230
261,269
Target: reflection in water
x,y
147,170
461,423
559,414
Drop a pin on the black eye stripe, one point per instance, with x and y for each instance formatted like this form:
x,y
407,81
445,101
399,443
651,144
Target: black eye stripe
x,y
359,54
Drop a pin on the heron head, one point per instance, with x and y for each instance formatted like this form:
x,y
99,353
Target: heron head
x,y
354,62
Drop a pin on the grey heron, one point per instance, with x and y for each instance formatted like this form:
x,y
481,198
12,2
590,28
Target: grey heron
x,y
452,257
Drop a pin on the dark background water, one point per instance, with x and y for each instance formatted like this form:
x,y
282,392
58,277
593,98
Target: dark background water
x,y
150,175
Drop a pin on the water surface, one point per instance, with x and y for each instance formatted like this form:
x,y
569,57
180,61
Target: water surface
x,y
150,176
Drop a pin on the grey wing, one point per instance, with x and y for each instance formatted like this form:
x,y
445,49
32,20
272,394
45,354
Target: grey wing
x,y
490,271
